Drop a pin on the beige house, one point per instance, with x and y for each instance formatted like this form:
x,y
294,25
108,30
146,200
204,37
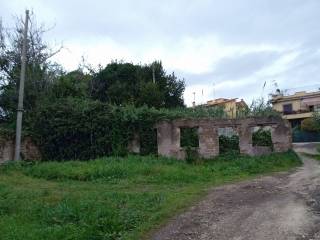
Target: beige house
x,y
296,107
232,106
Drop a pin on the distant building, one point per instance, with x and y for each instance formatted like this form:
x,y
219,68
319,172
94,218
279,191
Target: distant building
x,y
296,107
232,107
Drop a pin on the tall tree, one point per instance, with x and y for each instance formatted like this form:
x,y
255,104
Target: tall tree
x,y
40,71
126,83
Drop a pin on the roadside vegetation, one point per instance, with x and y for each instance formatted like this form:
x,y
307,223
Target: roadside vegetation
x,y
113,198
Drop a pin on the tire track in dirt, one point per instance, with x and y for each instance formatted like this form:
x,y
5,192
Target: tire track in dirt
x,y
282,206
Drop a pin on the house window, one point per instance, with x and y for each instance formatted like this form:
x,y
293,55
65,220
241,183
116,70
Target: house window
x,y
287,108
317,108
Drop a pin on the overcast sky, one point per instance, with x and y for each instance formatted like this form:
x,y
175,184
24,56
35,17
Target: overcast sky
x,y
223,48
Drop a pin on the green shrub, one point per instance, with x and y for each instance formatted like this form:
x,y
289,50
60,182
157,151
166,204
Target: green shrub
x,y
262,138
192,155
229,145
72,128
310,125
189,137
79,128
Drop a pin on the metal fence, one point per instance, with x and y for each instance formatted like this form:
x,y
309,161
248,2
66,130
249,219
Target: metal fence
x,y
304,136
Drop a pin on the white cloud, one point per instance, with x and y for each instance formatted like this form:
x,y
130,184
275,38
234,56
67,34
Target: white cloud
x,y
281,65
95,51
192,38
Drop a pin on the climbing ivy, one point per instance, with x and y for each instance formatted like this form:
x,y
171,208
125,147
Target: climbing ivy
x,y
74,128
80,128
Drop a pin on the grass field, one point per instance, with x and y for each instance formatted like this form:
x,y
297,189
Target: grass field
x,y
112,198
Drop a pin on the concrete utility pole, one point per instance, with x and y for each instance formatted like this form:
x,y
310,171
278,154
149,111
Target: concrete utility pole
x,y
21,88
153,73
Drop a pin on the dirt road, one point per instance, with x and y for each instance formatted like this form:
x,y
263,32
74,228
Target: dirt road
x,y
283,206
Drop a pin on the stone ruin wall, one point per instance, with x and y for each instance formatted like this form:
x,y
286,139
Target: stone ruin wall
x,y
168,136
29,150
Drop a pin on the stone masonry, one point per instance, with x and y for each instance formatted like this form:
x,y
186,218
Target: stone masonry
x,y
168,135
29,150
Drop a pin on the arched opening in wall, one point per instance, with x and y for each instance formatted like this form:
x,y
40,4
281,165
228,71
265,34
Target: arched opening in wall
x,y
262,140
228,141
189,141
148,142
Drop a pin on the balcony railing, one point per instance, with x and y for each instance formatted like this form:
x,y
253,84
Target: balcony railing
x,y
296,112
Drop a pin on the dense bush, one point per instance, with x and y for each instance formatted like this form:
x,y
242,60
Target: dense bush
x,y
189,137
79,128
262,138
127,83
229,144
310,125
73,128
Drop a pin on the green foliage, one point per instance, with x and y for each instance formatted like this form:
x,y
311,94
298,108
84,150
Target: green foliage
x,y
148,140
260,108
189,137
73,84
192,155
112,198
126,83
79,128
311,124
189,140
76,128
229,145
262,138
40,71
71,128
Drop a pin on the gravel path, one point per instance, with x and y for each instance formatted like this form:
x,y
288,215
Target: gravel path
x,y
283,206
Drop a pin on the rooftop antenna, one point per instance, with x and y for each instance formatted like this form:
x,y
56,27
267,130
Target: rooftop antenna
x,y
263,87
202,98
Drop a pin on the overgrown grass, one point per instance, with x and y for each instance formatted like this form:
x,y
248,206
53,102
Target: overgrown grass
x,y
112,198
